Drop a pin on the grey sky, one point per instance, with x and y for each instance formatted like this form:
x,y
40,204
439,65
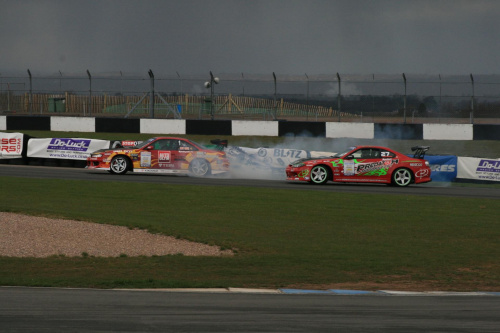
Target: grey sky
x,y
250,36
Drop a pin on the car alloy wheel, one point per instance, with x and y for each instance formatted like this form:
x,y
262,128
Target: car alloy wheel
x,y
402,177
119,165
319,174
199,167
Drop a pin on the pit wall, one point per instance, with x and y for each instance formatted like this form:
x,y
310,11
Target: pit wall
x,y
253,128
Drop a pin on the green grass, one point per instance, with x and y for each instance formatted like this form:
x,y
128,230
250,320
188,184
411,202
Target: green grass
x,y
282,238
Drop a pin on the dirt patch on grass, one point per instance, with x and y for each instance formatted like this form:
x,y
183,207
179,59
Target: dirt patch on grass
x,y
32,236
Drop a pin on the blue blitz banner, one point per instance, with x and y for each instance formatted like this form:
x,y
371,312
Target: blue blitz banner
x,y
443,167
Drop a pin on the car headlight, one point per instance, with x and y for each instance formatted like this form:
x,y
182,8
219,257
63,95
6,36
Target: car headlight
x,y
426,163
297,165
96,155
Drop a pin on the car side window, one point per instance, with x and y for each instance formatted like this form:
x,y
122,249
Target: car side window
x,y
186,146
166,144
367,153
358,153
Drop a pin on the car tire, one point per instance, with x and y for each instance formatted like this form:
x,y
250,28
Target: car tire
x,y
402,177
199,168
319,174
119,165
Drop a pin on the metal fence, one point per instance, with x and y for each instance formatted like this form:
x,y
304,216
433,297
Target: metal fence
x,y
365,98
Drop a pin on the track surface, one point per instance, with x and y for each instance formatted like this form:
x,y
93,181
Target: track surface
x,y
80,310
430,189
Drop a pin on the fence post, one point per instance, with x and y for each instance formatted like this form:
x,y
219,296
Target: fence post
x,y
275,101
339,96
307,97
404,100
472,100
30,99
90,93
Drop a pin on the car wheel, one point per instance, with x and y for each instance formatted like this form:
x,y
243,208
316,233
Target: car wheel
x,y
402,177
319,174
119,165
199,167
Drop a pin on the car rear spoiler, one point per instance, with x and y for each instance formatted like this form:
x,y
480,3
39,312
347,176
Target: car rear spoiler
x,y
419,151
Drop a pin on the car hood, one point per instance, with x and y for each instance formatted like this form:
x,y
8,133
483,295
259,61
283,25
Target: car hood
x,y
306,159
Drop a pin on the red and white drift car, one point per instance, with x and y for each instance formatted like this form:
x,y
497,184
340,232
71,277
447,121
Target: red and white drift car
x,y
364,164
161,155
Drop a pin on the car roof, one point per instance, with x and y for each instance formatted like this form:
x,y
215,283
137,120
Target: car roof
x,y
170,137
367,146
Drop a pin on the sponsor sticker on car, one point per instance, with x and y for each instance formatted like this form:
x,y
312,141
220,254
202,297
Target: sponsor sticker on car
x,y
146,159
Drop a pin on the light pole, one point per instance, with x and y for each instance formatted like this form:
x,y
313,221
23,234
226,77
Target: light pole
x,y
213,80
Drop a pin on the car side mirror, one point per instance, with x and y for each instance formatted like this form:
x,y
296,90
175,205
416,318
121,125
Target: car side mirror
x,y
349,157
149,148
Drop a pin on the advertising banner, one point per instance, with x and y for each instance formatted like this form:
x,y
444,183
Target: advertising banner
x,y
11,145
484,169
265,157
65,148
443,168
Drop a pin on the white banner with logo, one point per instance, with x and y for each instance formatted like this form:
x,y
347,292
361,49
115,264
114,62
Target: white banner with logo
x,y
11,145
265,157
65,148
485,169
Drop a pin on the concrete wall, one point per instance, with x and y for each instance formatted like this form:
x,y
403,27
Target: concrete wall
x,y
350,130
448,131
253,128
163,126
72,124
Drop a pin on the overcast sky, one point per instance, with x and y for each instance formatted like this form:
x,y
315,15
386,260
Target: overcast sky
x,y
250,36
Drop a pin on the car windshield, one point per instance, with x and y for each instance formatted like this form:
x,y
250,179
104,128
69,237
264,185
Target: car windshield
x,y
344,152
144,143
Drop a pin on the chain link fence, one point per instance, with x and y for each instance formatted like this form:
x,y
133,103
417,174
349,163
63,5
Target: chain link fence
x,y
359,98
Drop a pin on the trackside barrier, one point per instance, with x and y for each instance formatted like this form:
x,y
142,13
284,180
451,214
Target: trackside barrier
x,y
479,169
443,168
354,130
65,148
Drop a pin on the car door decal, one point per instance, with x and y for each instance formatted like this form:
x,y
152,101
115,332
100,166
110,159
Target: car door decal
x,y
145,159
349,168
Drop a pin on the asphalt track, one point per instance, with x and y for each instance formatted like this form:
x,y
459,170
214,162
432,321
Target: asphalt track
x,y
86,310
428,189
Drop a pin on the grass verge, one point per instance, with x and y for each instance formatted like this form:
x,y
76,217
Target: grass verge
x,y
284,238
